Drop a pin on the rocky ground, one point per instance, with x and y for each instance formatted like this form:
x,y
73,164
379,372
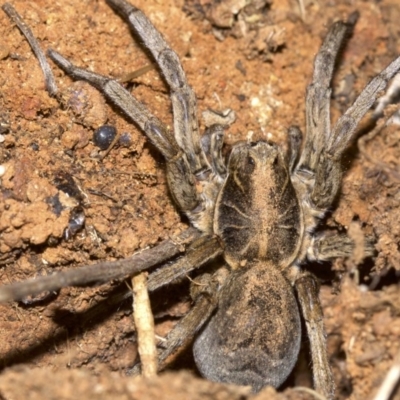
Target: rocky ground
x,y
256,60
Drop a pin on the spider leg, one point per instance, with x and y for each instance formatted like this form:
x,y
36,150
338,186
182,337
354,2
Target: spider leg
x,y
102,272
326,248
200,251
320,161
51,85
212,142
179,173
318,98
183,98
204,293
307,291
136,111
295,137
328,174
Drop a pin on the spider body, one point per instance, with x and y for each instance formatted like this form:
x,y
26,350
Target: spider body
x,y
258,216
259,210
259,302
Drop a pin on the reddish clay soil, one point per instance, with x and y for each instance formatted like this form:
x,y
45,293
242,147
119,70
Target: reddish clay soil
x,y
79,342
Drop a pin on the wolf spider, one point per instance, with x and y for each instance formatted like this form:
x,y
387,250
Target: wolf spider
x,y
259,209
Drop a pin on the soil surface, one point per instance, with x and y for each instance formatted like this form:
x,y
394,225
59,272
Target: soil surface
x,y
256,60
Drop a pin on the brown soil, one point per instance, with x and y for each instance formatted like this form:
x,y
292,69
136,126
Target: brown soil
x,y
78,343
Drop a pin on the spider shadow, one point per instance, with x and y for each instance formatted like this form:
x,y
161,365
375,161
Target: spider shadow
x,y
72,322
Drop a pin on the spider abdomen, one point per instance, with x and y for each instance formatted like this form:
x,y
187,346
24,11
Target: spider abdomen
x,y
253,339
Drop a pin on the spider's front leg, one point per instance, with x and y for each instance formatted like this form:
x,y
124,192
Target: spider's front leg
x,y
317,177
181,149
320,162
183,99
180,176
190,161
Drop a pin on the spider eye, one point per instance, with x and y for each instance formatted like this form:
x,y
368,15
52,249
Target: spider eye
x,y
250,165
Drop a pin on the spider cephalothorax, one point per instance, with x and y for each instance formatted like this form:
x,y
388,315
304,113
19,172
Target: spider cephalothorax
x,y
259,210
258,221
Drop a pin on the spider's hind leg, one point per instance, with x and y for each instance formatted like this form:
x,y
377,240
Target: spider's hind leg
x,y
204,294
307,289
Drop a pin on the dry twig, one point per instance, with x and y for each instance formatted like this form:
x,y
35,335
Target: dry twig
x,y
144,323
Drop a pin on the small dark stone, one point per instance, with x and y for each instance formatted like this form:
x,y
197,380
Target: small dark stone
x,y
125,139
103,136
34,146
75,223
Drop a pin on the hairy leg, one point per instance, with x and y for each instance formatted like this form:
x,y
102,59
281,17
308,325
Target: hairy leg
x,y
307,292
329,172
204,293
51,86
295,139
179,173
327,248
183,99
101,272
319,96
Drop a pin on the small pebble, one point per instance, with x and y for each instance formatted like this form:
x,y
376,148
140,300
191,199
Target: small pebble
x,y
103,136
2,170
34,146
125,139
